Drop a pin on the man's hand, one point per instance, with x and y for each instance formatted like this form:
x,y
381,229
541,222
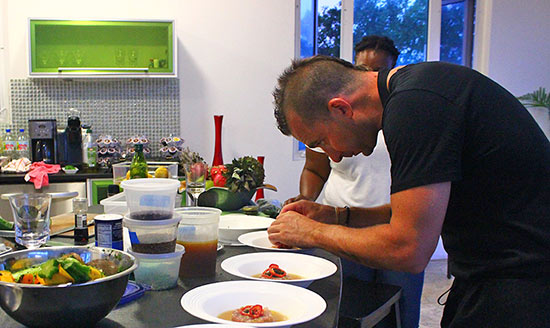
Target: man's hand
x,y
312,210
295,199
293,229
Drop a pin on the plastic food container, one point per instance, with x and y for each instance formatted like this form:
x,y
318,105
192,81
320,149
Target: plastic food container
x,y
150,199
120,170
152,236
160,271
198,232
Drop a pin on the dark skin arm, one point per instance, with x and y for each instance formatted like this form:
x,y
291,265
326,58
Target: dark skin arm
x,y
314,175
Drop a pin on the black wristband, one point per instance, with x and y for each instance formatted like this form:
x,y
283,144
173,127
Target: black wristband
x,y
347,215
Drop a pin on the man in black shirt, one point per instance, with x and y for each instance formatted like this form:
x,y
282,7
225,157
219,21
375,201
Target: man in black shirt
x,y
468,162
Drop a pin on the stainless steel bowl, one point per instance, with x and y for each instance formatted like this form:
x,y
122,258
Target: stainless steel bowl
x,y
67,305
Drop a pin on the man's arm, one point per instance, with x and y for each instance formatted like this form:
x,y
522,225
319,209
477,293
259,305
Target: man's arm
x,y
314,175
406,243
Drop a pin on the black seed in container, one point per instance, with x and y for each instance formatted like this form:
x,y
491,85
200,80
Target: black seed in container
x,y
156,248
151,215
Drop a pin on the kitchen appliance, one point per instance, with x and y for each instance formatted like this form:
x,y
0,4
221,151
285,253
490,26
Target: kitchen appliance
x,y
70,143
43,136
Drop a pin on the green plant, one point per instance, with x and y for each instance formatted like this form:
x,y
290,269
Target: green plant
x,y
538,98
189,157
244,174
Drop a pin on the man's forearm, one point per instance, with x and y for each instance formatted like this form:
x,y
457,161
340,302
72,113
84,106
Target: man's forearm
x,y
311,184
358,217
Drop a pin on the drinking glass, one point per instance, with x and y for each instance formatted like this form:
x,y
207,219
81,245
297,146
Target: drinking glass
x,y
31,215
195,174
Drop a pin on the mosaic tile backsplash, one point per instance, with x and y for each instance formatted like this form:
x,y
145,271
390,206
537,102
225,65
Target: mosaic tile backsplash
x,y
121,108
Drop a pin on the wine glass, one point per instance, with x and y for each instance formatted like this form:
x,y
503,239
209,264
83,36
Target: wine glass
x,y
31,215
195,175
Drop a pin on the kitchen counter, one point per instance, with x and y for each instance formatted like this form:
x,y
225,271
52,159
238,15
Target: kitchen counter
x,y
80,176
163,309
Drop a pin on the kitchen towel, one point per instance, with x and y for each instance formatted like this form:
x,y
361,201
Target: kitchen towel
x,y
39,173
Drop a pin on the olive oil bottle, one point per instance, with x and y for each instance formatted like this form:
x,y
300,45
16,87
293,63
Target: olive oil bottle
x,y
138,167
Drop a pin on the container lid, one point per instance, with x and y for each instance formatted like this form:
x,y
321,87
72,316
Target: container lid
x,y
198,215
148,184
127,221
108,217
180,249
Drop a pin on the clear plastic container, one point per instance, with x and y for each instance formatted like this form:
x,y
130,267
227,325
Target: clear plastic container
x,y
160,271
152,236
198,232
150,199
120,170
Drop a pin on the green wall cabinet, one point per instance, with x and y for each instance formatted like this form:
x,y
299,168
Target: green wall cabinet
x,y
72,48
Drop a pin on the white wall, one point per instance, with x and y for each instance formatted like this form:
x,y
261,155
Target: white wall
x,y
230,54
515,47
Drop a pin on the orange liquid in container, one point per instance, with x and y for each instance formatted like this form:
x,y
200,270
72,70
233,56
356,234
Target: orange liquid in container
x,y
199,259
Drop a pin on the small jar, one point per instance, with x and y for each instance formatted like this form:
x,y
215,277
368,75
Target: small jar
x,y
80,210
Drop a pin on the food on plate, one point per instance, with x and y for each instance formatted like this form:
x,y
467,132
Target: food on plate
x,y
283,246
252,314
274,272
20,165
69,167
69,268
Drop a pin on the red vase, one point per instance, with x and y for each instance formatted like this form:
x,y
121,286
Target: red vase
x,y
260,192
218,157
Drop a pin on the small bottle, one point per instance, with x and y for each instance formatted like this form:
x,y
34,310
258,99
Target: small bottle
x,y
91,157
91,152
86,142
9,144
80,210
138,167
23,144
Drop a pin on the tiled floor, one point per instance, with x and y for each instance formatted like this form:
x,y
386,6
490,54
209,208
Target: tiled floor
x,y
435,284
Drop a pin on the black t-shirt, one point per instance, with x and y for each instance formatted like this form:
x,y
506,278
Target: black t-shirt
x,y
445,122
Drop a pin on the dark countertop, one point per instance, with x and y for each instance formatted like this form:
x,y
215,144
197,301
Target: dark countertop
x,y
163,309
80,176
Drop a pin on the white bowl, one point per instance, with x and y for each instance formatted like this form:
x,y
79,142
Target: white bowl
x,y
308,267
259,240
297,304
233,225
69,171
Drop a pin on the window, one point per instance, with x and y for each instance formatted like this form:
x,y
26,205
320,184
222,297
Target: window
x,y
405,21
323,23
457,17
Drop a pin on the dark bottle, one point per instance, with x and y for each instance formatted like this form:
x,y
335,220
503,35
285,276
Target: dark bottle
x,y
80,210
138,167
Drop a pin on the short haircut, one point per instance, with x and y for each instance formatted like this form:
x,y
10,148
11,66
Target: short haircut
x,y
307,85
377,42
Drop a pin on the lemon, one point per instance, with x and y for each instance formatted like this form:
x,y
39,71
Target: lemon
x,y
162,172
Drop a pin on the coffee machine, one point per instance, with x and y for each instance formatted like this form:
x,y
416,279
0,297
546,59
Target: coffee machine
x,y
70,143
43,138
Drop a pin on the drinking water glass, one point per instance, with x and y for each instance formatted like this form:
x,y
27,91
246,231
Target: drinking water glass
x,y
195,175
31,216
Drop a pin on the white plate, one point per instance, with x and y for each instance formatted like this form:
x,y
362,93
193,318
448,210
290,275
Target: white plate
x,y
307,266
297,304
259,240
233,225
67,171
209,325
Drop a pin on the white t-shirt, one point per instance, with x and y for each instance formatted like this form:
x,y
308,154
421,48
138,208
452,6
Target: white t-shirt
x,y
360,181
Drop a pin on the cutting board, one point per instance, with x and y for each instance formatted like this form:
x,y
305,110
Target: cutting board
x,y
66,220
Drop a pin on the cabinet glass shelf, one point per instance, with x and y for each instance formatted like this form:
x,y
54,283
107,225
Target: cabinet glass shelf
x,y
71,47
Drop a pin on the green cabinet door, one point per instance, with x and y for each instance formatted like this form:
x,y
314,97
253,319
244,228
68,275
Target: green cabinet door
x,y
88,48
